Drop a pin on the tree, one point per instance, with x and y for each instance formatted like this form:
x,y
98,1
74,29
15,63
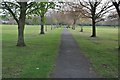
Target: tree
x,y
73,12
43,8
113,18
70,13
4,16
117,6
95,10
20,21
67,19
19,10
35,20
82,22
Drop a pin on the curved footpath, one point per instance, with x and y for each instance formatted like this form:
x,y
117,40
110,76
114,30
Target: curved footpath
x,y
71,63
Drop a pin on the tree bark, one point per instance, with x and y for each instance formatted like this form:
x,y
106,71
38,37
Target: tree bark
x,y
42,25
21,24
20,41
93,28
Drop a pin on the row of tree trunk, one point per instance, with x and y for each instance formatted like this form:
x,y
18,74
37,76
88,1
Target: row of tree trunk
x,y
22,17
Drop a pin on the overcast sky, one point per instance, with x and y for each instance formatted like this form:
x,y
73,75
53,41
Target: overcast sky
x,y
56,0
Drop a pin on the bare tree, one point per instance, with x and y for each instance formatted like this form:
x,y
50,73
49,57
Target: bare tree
x,y
83,21
113,18
74,16
74,12
95,10
117,6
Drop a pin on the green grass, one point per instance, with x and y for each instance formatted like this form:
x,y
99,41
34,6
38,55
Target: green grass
x,y
102,50
40,52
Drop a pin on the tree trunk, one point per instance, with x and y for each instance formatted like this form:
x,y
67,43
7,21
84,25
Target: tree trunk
x,y
51,26
118,11
42,25
46,28
119,33
20,41
21,25
93,28
74,24
81,29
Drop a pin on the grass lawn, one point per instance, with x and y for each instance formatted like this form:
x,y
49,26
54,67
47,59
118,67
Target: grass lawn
x,y
102,50
36,60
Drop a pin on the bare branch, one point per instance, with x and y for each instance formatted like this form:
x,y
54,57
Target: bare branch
x,y
9,9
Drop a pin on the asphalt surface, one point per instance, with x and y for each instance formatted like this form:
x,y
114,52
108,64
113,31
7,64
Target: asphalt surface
x,y
71,63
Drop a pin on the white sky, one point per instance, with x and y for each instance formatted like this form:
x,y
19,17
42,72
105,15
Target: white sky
x,y
55,0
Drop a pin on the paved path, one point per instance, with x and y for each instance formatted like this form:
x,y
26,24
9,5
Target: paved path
x,y
71,63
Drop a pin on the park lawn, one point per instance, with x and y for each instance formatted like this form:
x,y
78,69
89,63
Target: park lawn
x,y
102,50
36,60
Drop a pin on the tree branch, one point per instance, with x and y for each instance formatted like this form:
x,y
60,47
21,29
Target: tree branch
x,y
8,8
84,5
